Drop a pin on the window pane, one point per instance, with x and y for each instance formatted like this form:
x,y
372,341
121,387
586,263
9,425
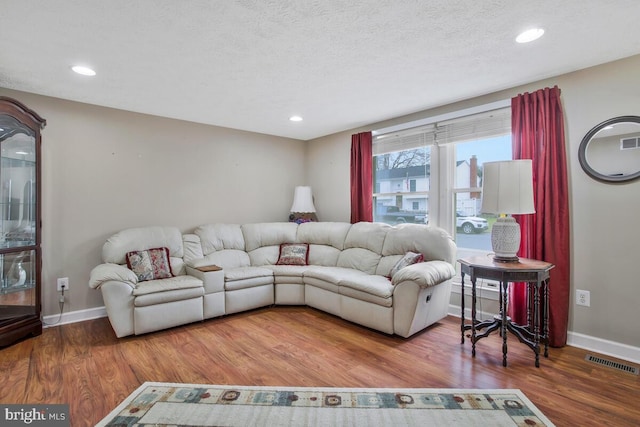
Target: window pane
x,y
401,183
473,228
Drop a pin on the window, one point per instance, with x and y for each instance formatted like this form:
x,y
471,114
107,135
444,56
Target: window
x,y
629,143
401,185
433,173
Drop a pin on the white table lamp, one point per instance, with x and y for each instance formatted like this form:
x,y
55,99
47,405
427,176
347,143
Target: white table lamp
x,y
507,188
302,209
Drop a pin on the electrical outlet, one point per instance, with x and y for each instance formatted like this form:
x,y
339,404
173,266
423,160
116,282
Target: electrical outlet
x,y
63,283
583,298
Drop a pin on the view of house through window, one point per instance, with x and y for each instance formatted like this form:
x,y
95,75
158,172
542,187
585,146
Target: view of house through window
x,y
433,175
401,186
473,228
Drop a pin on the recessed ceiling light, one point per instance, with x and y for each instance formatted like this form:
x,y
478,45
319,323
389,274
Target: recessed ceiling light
x,y
85,71
24,153
295,118
530,35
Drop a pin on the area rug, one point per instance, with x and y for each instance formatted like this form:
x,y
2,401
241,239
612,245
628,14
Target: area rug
x,y
169,404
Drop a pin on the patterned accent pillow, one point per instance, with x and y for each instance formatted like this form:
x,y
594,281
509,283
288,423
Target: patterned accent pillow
x,y
150,264
293,254
408,259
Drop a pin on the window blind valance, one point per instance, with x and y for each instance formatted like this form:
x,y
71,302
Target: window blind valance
x,y
484,125
404,140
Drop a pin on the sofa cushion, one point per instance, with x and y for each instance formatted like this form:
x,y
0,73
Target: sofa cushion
x,y
367,235
379,286
360,259
192,246
409,258
333,275
243,273
266,255
323,255
386,263
150,264
135,239
168,296
170,284
250,282
293,254
363,297
425,274
247,277
216,237
433,242
289,274
268,234
289,270
324,233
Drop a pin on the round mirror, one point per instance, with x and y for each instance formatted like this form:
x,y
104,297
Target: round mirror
x,y
610,152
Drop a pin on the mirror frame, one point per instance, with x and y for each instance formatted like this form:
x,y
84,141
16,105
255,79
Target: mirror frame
x,y
582,151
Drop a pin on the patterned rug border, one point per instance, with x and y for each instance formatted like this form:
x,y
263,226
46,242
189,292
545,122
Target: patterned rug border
x,y
150,384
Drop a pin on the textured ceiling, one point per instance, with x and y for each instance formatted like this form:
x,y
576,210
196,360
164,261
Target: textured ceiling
x,y
340,64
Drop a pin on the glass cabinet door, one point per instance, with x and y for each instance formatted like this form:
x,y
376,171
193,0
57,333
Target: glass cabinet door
x,y
20,265
17,209
18,285
17,190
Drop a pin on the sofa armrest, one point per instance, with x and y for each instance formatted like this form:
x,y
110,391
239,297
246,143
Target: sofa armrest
x,y
112,272
425,274
213,280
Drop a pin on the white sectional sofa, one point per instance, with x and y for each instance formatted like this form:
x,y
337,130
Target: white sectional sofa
x,y
347,273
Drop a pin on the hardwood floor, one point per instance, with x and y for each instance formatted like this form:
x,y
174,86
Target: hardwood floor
x,y
85,365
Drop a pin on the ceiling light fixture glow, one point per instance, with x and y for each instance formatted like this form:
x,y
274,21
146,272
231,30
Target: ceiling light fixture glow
x,y
295,118
530,35
85,71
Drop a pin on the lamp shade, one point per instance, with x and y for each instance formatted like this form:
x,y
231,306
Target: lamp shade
x,y
507,187
302,200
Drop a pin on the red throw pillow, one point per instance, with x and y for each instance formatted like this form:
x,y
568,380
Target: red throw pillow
x,y
150,264
293,254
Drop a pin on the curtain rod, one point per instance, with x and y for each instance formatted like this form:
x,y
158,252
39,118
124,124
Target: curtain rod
x,y
447,116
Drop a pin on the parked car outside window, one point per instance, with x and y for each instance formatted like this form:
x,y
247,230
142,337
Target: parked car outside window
x,y
470,224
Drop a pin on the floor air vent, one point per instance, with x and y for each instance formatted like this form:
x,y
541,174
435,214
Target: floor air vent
x,y
611,364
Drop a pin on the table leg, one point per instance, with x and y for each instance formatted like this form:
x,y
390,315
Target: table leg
x,y
536,323
503,326
545,316
462,307
473,316
529,304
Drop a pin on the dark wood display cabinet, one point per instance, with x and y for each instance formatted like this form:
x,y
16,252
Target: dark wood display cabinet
x,y
20,224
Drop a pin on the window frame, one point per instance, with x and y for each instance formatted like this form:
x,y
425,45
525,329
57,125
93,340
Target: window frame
x,y
442,192
440,198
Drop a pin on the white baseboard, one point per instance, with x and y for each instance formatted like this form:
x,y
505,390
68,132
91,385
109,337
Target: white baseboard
x,y
454,310
484,289
574,339
74,316
606,347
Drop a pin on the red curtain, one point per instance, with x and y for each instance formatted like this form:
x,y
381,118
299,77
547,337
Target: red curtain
x,y
537,127
361,177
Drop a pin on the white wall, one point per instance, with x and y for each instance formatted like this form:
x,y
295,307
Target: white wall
x,y
605,234
105,170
